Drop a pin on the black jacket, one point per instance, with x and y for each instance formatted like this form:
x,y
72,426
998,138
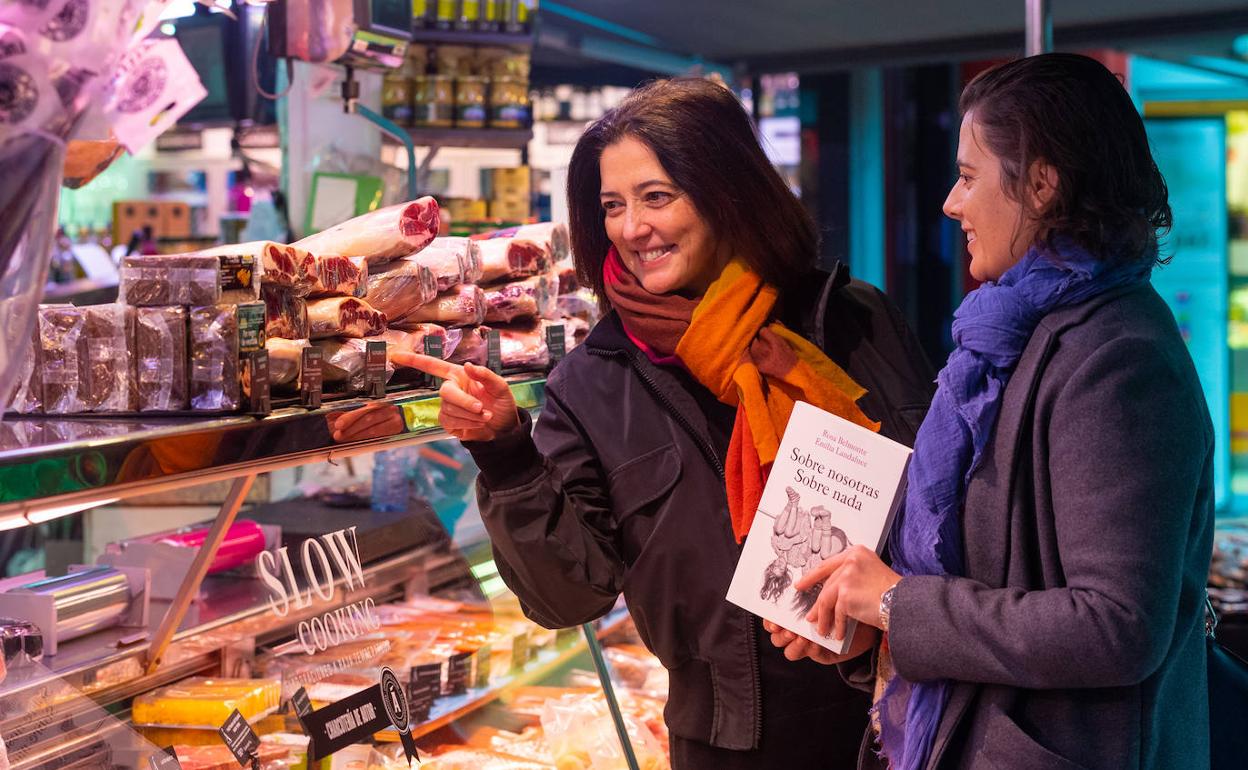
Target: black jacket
x,y
621,489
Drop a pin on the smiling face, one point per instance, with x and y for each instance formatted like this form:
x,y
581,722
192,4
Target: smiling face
x,y
653,224
998,230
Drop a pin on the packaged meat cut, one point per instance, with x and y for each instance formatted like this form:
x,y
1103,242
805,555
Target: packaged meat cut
x,y
214,381
413,341
28,395
289,267
399,287
345,360
344,317
340,276
473,347
461,306
62,356
179,279
523,346
285,315
568,282
452,260
380,235
285,360
509,258
529,298
554,237
217,756
160,357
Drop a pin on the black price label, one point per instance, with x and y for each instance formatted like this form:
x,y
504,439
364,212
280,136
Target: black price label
x,y
358,716
256,382
301,702
166,759
424,685
433,348
494,351
375,369
457,673
520,651
311,377
481,674
240,738
555,343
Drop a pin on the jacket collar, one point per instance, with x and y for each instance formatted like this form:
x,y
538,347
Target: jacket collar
x,y
803,309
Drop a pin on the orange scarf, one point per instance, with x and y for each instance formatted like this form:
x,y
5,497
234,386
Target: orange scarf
x,y
734,347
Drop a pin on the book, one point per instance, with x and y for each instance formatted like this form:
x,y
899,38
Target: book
x,y
833,485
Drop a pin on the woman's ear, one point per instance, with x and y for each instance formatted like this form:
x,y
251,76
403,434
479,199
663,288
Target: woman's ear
x,y
1042,183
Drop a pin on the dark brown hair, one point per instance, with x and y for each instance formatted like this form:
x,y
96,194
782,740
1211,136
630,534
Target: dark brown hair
x,y
706,143
1072,113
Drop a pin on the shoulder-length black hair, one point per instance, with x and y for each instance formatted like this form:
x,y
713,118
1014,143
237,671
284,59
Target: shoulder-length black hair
x,y
1072,113
706,143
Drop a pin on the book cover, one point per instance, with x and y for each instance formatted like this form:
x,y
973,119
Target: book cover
x,y
833,485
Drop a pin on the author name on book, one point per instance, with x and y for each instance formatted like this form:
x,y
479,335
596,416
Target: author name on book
x,y
826,480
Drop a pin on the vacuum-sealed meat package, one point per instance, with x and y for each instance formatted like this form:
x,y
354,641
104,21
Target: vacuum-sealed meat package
x,y
509,258
452,260
568,280
160,358
461,306
109,384
413,340
285,315
340,276
345,361
63,357
177,279
553,237
289,267
213,376
285,360
523,346
473,347
381,235
529,298
344,317
399,287
28,395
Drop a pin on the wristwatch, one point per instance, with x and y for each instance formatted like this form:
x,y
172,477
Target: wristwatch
x,y
886,606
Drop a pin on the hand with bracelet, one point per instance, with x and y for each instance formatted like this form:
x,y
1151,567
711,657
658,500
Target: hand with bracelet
x,y
855,582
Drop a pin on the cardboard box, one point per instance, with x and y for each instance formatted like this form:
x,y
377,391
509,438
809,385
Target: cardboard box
x,y
129,216
510,209
175,220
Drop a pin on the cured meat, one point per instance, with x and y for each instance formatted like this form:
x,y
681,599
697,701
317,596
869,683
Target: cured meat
x,y
160,358
553,236
340,276
399,287
568,282
508,258
519,299
473,347
214,383
523,346
86,358
413,341
344,317
285,360
285,315
28,396
179,279
63,357
289,267
462,306
219,757
452,260
380,235
345,360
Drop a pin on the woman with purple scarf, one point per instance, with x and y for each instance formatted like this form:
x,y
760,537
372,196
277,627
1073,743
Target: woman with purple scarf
x,y
1044,603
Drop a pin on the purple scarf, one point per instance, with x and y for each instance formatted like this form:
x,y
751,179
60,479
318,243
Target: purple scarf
x,y
990,330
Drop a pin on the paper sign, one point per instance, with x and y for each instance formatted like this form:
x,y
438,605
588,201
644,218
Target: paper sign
x,y
154,87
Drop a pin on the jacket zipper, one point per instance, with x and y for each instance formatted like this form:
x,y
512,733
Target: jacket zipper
x,y
709,451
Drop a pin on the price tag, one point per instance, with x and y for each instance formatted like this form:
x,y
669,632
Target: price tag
x,y
424,685
166,759
311,377
240,738
457,673
375,369
256,382
433,349
555,343
494,351
357,717
302,703
481,672
520,651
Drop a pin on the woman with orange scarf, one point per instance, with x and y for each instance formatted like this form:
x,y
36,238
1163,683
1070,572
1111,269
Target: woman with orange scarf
x,y
646,465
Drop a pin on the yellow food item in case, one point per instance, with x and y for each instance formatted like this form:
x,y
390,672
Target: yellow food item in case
x,y
203,702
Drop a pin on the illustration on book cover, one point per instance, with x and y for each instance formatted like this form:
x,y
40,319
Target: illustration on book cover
x,y
801,539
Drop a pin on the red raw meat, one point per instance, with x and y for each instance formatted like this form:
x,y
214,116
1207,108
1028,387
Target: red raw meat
x,y
519,299
285,315
340,276
381,235
508,258
344,317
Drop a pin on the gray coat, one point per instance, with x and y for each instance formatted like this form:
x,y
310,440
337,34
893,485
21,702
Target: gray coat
x,y
1076,638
